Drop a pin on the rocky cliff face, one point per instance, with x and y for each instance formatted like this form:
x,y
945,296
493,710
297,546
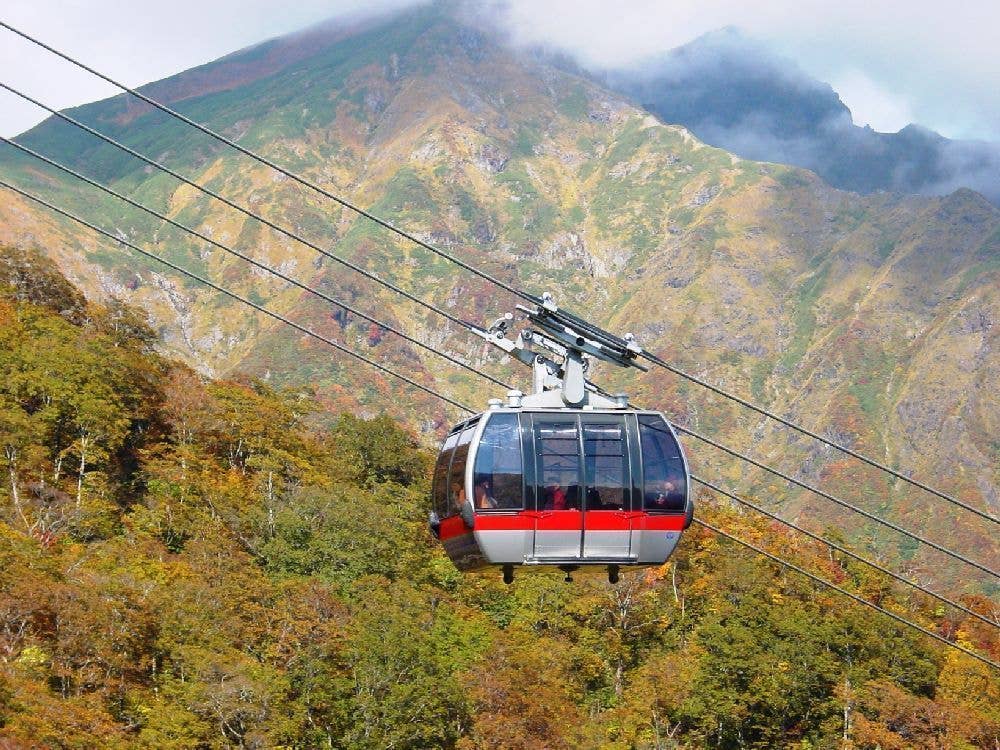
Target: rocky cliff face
x,y
871,318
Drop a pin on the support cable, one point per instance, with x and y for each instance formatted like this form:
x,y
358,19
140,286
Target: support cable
x,y
845,592
815,436
844,550
252,261
488,277
838,501
237,297
242,209
827,496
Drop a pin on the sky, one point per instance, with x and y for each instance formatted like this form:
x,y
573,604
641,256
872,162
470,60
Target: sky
x,y
892,62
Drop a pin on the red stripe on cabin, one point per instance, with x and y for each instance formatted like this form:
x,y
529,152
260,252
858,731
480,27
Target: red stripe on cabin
x,y
610,520
514,522
563,520
649,522
452,527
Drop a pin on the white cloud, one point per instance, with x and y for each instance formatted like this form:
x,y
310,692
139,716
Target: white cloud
x,y
871,104
939,61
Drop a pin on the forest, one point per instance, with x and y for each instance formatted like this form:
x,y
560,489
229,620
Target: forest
x,y
189,563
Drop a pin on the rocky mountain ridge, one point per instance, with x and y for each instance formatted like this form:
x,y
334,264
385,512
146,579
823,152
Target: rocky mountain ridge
x,y
738,95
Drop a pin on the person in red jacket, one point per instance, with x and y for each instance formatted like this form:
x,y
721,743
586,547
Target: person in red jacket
x,y
555,495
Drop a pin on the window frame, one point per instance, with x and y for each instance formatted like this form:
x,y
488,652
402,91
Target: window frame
x,y
518,426
627,464
574,491
685,474
445,455
467,428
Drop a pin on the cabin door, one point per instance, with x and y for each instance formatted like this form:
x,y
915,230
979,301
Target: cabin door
x,y
558,482
607,493
583,487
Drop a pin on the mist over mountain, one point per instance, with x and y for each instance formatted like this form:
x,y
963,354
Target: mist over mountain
x,y
735,93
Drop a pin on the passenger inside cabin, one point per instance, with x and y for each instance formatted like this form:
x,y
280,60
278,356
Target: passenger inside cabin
x,y
458,495
555,494
665,494
594,500
484,498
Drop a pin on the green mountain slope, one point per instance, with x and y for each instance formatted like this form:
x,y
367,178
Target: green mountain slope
x,y
870,318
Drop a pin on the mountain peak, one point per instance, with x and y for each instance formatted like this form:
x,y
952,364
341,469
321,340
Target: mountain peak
x,y
733,92
723,79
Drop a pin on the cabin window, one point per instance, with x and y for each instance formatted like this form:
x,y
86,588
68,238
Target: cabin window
x,y
606,461
440,493
498,481
663,475
558,447
456,475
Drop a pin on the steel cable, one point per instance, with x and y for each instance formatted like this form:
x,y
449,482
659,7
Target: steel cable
x,y
252,261
845,592
838,501
237,297
833,444
843,550
242,209
827,496
277,167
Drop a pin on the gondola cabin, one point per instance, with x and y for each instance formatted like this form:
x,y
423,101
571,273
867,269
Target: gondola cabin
x,y
519,486
567,475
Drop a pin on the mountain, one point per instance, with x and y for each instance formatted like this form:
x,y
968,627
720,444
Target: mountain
x,y
734,93
872,318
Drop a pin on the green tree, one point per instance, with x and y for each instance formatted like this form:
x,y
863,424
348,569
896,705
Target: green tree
x,y
403,655
381,450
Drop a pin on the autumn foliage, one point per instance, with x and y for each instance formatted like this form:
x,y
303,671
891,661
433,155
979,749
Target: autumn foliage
x,y
195,564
